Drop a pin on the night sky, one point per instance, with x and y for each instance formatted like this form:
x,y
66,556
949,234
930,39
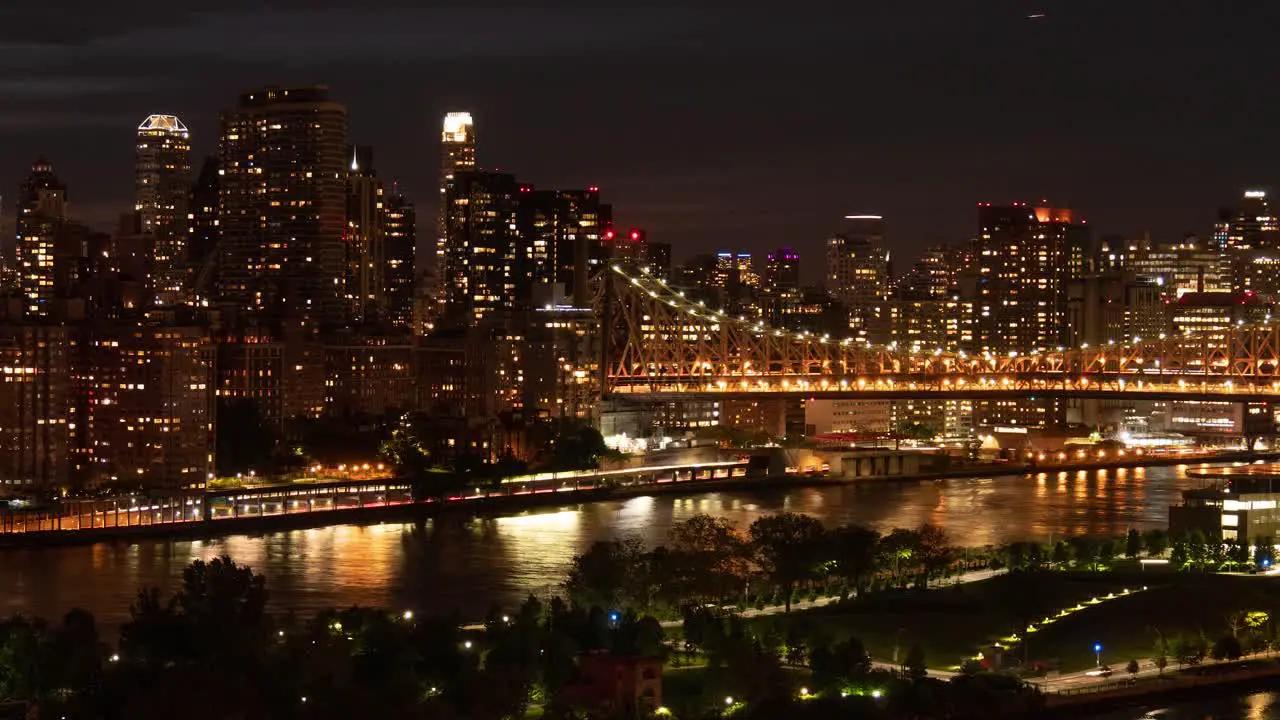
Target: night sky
x,y
713,126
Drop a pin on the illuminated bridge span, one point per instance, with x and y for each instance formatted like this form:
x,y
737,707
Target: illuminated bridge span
x,y
663,346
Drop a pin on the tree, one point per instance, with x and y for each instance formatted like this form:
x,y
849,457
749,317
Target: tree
x,y
1085,552
854,551
934,551
914,431
1179,557
1132,544
1156,542
914,667
418,449
708,559
844,663
788,547
1226,647
897,550
605,575
1106,551
1131,668
1061,554
1197,548
246,442
568,445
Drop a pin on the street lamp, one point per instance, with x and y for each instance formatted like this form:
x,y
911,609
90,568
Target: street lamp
x,y
1097,653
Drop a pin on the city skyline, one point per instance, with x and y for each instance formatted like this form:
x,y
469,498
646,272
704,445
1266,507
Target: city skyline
x,y
679,156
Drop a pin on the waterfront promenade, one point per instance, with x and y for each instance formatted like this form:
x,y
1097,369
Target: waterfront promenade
x,y
318,503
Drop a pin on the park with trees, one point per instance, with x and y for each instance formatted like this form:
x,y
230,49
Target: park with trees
x,y
784,616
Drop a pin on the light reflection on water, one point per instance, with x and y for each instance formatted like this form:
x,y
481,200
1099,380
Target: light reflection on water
x,y
1255,706
463,566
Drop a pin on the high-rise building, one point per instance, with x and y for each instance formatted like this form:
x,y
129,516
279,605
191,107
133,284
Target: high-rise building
x,y
161,194
859,271
365,238
932,277
482,239
41,209
35,402
1250,225
457,154
781,270
401,246
150,417
203,231
1184,266
282,189
634,248
1026,255
562,239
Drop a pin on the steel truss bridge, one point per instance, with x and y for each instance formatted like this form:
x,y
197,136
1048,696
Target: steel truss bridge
x,y
660,346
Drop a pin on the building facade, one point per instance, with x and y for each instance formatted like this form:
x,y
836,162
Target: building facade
x,y
161,195
35,402
282,205
151,411
41,210
480,273
364,239
399,279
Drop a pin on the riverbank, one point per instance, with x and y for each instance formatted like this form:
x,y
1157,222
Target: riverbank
x,y
996,470
1218,679
496,503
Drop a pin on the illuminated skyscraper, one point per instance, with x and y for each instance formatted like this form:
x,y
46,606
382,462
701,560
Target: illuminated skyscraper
x,y
398,279
1248,236
282,189
482,238
858,270
563,238
1026,256
41,209
1250,225
365,238
457,153
161,193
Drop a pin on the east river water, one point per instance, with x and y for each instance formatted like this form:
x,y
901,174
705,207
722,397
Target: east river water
x,y
466,565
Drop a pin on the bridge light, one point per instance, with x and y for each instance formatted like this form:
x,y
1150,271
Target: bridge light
x,y
1137,339
1084,346
1161,336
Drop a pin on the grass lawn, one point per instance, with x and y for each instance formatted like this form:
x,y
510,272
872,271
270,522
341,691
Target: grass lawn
x,y
953,623
1176,603
689,691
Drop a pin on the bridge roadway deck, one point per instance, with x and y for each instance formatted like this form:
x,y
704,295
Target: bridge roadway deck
x,y
667,393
